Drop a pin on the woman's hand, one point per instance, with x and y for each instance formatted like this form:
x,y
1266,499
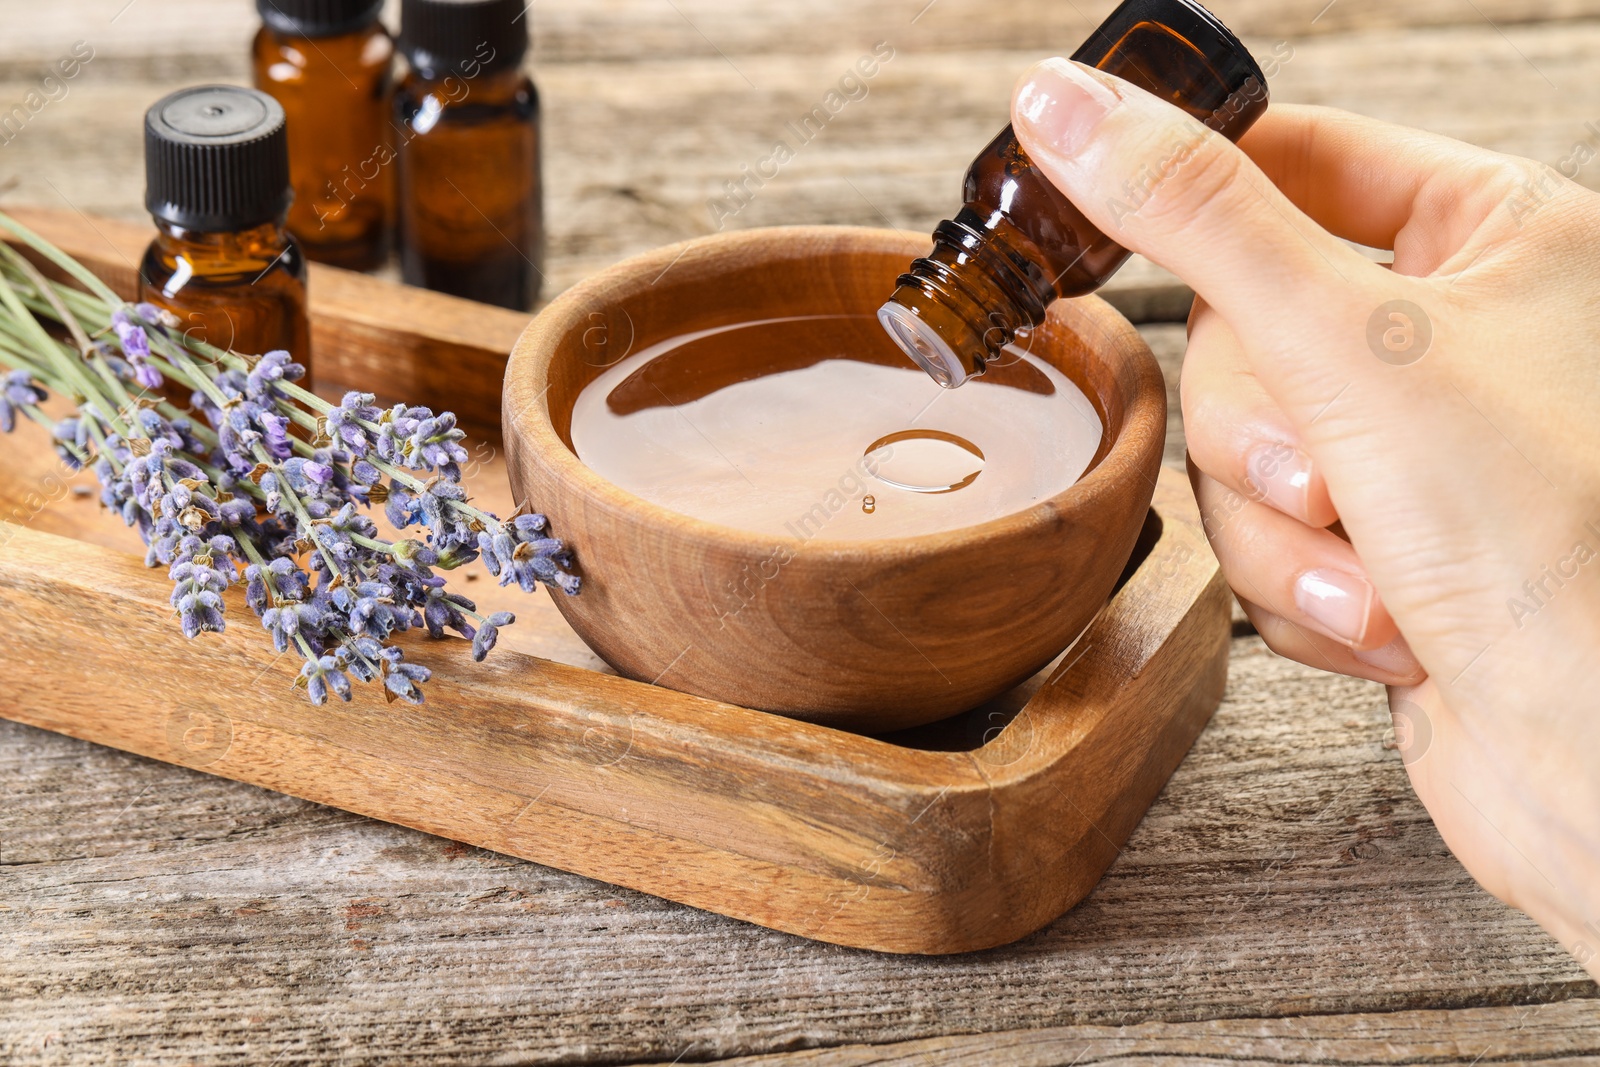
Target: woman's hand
x,y
1445,414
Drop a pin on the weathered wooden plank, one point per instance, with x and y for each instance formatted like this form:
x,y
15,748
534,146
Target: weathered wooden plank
x,y
1561,1033
161,915
637,150
143,35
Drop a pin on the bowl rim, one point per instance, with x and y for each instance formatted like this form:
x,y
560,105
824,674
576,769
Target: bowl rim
x,y
527,374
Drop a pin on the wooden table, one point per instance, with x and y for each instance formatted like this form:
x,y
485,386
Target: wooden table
x,y
1286,900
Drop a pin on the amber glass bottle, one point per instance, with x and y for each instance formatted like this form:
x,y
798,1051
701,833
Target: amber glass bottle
x,y
1018,244
330,63
471,206
217,184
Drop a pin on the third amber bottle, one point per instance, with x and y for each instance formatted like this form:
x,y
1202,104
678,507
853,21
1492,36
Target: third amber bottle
x,y
467,122
330,64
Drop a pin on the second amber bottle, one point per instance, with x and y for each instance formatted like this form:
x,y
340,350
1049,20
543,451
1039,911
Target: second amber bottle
x,y
471,205
330,64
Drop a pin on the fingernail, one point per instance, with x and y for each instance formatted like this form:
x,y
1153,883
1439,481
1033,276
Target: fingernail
x,y
1396,657
1061,103
1339,604
1281,476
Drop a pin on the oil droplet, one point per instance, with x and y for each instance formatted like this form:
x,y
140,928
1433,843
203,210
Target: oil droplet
x,y
868,504
924,461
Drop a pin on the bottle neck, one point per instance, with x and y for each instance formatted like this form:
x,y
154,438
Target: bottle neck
x,y
454,88
224,250
349,35
963,302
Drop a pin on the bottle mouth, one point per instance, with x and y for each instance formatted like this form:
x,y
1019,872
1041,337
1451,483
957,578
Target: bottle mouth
x,y
923,344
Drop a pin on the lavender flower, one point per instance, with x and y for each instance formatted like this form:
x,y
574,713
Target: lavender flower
x,y
274,367
323,674
136,347
402,679
345,422
134,341
240,499
154,316
199,580
19,393
292,620
517,553
146,375
489,633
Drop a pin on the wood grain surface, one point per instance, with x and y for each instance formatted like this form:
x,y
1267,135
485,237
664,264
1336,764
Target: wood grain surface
x,y
1548,1033
904,845
156,914
1286,882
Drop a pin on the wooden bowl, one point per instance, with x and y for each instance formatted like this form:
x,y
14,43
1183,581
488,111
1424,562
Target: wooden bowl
x,y
865,635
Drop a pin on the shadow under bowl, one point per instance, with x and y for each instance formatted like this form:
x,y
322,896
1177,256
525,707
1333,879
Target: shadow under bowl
x,y
869,636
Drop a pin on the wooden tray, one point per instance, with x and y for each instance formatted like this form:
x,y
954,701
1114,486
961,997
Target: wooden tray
x,y
962,835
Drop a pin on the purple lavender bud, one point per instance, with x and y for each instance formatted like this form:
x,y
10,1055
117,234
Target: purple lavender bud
x,y
275,428
344,421
236,512
402,678
443,611
292,619
402,509
322,674
529,525
255,590
147,376
135,343
198,583
486,546
337,680
272,368
155,316
21,391
67,431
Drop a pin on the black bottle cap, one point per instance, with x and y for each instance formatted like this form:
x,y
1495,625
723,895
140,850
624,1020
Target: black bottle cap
x,y
216,158
318,18
463,37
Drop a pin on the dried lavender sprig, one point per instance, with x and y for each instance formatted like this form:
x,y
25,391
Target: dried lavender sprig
x,y
242,500
314,413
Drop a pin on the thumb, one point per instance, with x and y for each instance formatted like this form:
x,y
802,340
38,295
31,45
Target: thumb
x,y
1157,181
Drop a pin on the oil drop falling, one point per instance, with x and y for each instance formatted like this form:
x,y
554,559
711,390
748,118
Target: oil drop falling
x,y
869,504
924,461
